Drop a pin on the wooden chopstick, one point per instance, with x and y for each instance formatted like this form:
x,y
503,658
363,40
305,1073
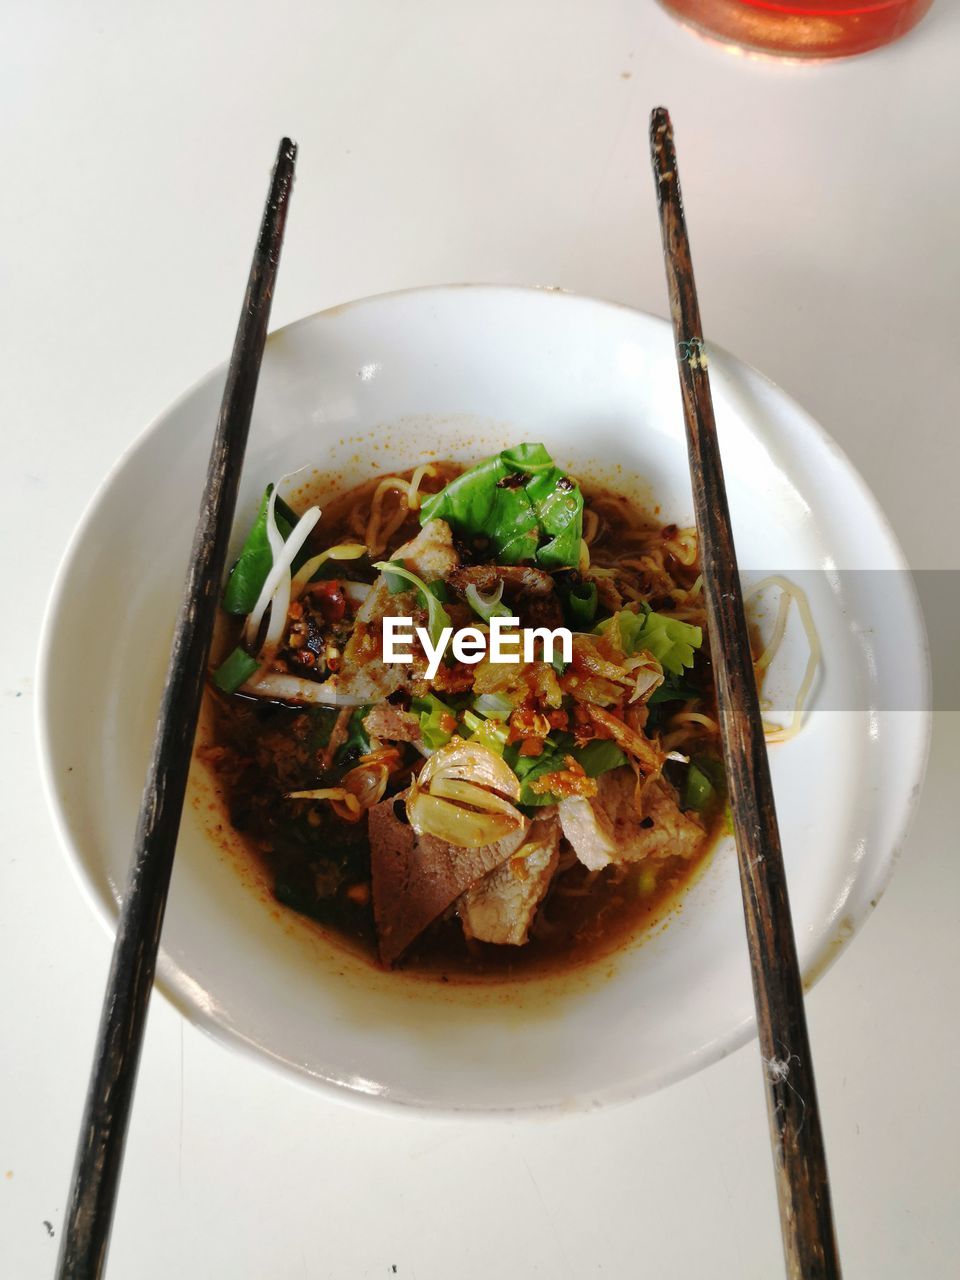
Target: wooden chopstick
x,y
803,1188
99,1157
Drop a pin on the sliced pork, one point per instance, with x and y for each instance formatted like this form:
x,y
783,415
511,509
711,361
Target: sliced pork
x,y
517,579
364,676
393,724
500,908
612,827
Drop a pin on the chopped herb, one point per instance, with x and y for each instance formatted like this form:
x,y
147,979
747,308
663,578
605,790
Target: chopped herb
x,y
437,720
235,671
487,606
671,641
597,757
489,733
580,605
497,705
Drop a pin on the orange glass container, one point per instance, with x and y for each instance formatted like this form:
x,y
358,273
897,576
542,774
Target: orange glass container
x,y
802,28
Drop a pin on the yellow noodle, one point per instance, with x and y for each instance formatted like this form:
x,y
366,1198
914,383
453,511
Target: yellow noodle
x,y
683,546
792,594
413,488
695,717
376,534
645,564
776,639
358,520
591,525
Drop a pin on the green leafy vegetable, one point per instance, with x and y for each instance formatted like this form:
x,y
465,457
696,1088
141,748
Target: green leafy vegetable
x,y
357,741
529,768
256,559
580,605
234,671
674,689
671,641
437,616
704,784
698,790
322,720
597,757
437,720
285,515
521,501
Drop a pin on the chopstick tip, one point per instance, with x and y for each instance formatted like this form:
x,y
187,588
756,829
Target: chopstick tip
x,y
661,145
660,123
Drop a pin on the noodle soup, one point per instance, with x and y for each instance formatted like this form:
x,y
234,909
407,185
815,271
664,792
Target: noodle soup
x,y
494,820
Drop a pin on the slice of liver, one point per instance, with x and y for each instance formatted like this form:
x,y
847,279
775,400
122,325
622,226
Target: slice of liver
x,y
415,878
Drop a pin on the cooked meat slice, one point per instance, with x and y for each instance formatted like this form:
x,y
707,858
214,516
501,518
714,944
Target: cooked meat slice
x,y
415,878
613,828
589,830
431,554
393,724
500,907
364,676
663,830
517,579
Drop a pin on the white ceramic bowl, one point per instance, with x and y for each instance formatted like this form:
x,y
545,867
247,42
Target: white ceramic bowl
x,y
460,372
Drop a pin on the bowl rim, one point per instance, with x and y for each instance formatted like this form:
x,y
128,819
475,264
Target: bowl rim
x,y
107,912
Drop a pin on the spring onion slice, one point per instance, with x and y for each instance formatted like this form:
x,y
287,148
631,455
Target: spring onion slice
x,y
495,705
582,605
234,670
491,733
487,607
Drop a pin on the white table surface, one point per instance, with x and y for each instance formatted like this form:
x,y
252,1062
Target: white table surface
x,y
496,141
